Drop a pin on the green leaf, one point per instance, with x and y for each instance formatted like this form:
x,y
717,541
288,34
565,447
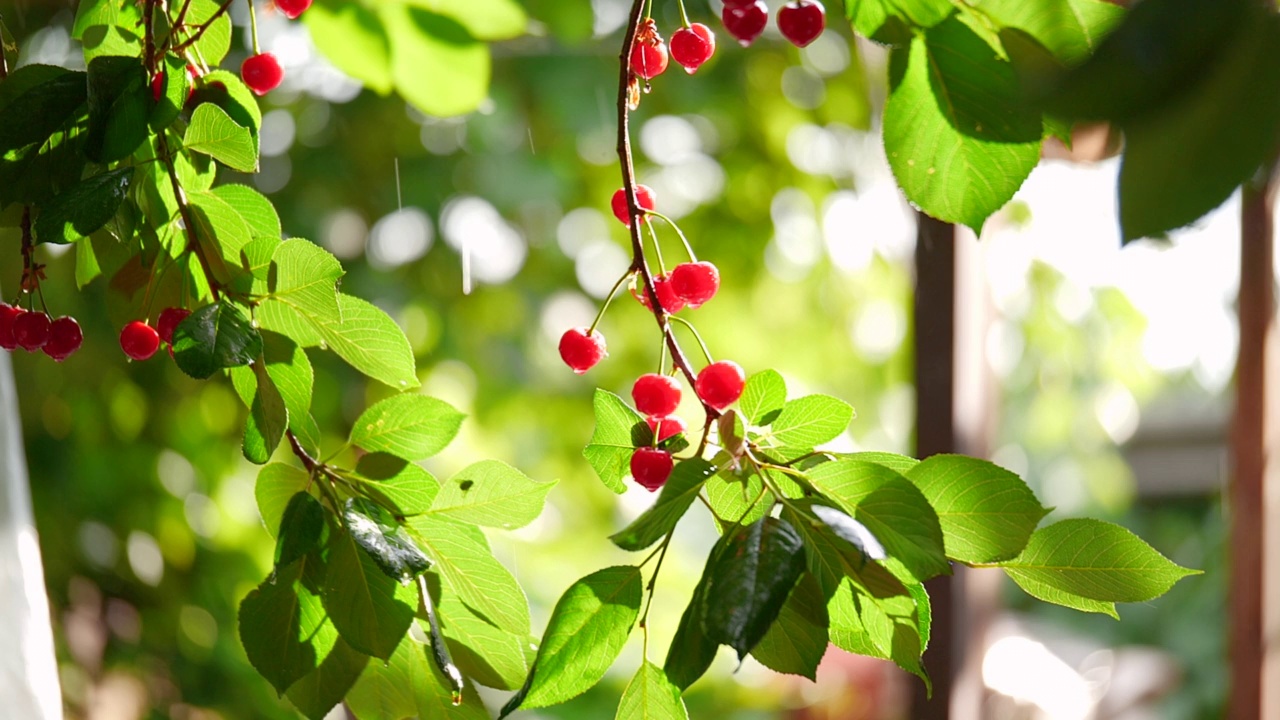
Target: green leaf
x,y
619,431
371,342
290,370
84,207
409,686
220,231
891,507
377,533
108,27
750,582
351,35
736,497
301,529
268,417
216,40
407,425
849,530
877,625
586,632
176,88
811,420
1187,159
890,21
256,210
987,513
958,137
1069,29
227,91
763,397
797,640
284,629
436,65
304,276
118,108
276,485
38,100
483,19
214,133
370,609
405,485
317,692
466,565
691,651
677,495
1074,561
214,337
491,656
491,493
899,463
651,696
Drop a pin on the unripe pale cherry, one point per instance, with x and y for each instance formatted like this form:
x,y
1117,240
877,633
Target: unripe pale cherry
x,y
31,330
651,467
720,384
671,302
262,73
139,340
168,322
691,46
644,196
65,338
695,283
580,350
745,21
802,21
666,427
656,395
8,314
292,8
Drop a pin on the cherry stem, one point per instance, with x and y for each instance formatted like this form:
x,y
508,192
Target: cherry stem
x,y
253,28
705,352
693,257
188,221
609,299
657,250
638,262
684,17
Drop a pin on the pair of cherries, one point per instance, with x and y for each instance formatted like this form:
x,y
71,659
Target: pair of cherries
x,y
140,341
33,330
691,46
800,22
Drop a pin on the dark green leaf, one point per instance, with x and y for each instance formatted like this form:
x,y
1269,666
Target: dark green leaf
x,y
466,565
1090,564
651,696
51,99
587,629
491,493
987,513
677,495
214,337
214,133
284,629
750,582
317,692
797,640
301,529
619,430
370,609
407,425
176,86
849,530
84,207
691,651
379,535
118,108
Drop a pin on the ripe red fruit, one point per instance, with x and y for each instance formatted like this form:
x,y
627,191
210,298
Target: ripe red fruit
x,y
31,330
695,283
693,46
168,322
65,338
648,61
651,467
745,21
720,384
292,8
8,314
262,73
139,340
802,21
656,395
666,427
671,302
157,86
581,351
644,196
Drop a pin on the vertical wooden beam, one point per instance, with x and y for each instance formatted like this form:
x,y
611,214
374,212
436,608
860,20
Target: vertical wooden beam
x,y
1249,445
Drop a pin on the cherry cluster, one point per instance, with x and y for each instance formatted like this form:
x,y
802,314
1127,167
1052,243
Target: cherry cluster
x,y
33,330
139,340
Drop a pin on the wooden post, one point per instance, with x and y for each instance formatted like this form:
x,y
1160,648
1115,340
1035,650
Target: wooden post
x,y
1252,435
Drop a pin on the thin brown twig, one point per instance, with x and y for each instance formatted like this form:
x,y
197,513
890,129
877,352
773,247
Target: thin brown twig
x,y
308,462
4,64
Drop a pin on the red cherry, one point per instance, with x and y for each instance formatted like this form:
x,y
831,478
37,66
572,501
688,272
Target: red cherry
x,y
693,46
157,86
581,351
292,8
168,322
31,330
656,395
65,338
644,196
139,340
666,427
262,73
745,21
802,21
8,314
695,283
648,60
671,302
720,384
651,467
